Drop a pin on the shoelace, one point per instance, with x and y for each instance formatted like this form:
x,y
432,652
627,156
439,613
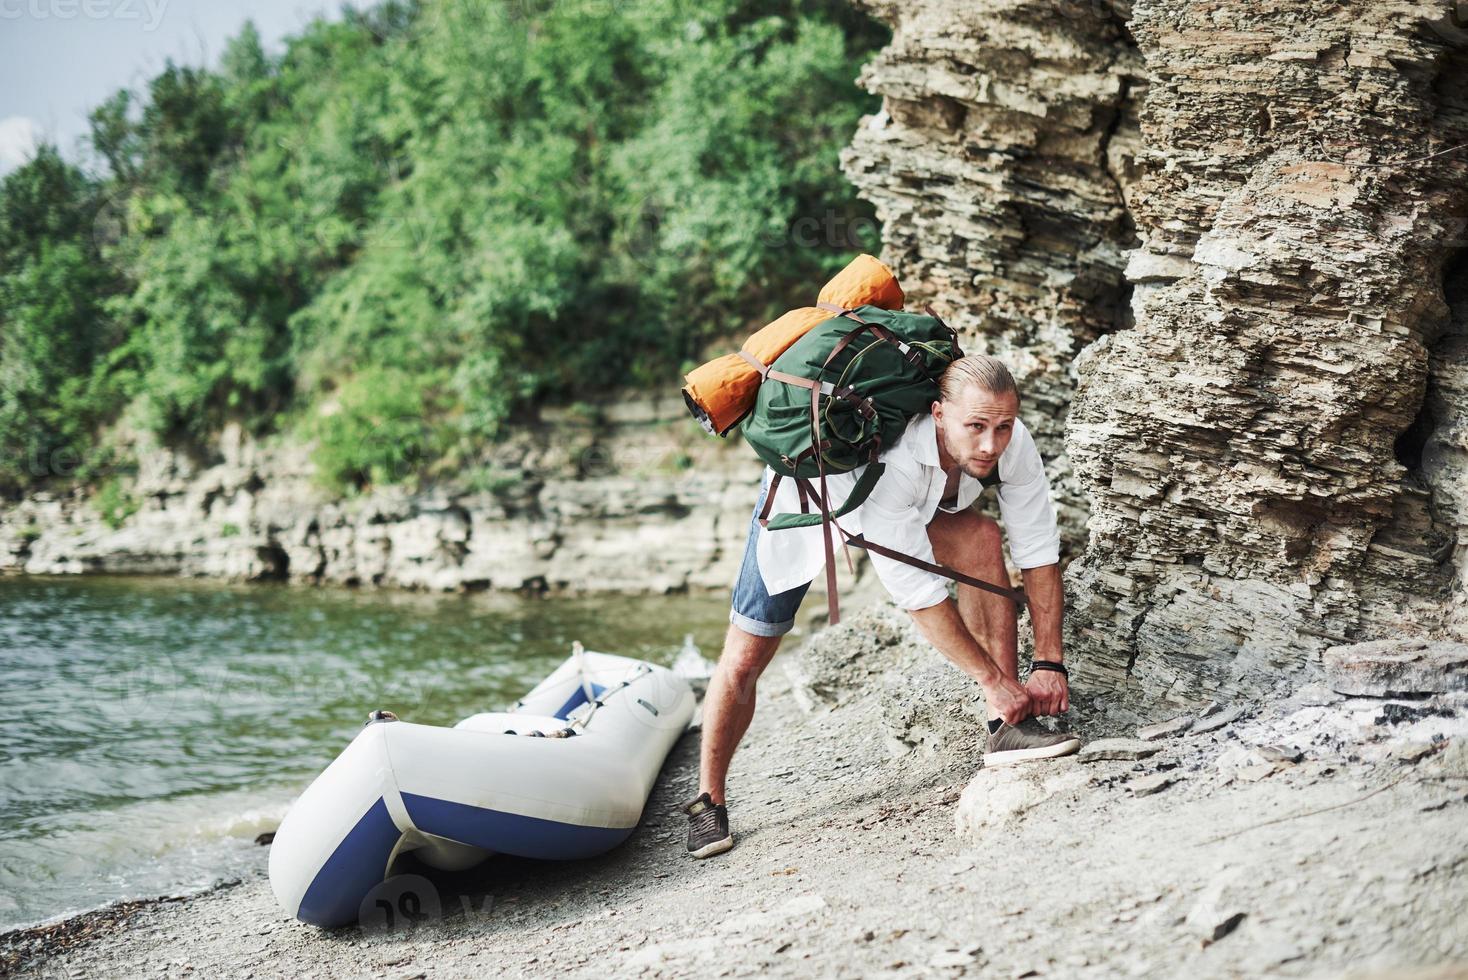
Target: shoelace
x,y
706,821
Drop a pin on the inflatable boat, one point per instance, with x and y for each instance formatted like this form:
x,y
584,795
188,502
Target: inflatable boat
x,y
565,774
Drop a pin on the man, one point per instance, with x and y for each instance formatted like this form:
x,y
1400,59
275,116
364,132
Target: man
x,y
920,507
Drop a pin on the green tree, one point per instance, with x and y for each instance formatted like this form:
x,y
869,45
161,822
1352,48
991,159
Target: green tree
x,y
435,210
54,384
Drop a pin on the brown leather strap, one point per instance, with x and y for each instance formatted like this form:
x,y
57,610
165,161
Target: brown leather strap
x,y
957,350
833,607
794,379
806,489
1016,596
766,372
764,512
800,489
810,490
909,353
862,406
850,335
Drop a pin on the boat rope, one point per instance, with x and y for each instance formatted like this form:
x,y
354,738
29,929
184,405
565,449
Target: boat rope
x,y
642,669
593,702
578,652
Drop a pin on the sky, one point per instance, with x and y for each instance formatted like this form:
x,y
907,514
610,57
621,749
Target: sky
x,y
59,59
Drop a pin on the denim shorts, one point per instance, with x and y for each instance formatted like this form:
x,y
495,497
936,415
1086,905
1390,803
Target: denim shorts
x,y
754,610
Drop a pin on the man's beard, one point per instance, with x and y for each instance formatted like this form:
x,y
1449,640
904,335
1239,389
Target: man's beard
x,y
978,469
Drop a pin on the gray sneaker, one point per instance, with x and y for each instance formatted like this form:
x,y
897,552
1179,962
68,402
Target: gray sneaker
x,y
708,826
1026,741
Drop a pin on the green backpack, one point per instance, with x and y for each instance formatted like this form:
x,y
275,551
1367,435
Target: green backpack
x,y
848,386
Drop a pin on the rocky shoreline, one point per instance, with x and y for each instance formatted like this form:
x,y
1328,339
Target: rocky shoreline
x,y
1261,837
634,498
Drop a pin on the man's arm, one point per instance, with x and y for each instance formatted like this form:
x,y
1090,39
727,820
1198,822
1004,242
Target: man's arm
x,y
942,626
1034,545
1046,598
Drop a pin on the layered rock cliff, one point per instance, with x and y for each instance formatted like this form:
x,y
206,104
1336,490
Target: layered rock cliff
x,y
1216,240
998,167
635,500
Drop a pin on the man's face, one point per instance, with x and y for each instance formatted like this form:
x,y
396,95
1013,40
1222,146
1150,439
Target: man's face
x,y
974,428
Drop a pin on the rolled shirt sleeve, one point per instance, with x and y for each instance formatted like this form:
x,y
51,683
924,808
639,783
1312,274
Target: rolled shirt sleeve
x,y
890,517
1026,508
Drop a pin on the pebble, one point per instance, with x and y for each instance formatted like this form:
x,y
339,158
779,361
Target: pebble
x,y
1117,748
1147,785
1415,753
955,957
1222,928
1166,729
1252,774
1216,721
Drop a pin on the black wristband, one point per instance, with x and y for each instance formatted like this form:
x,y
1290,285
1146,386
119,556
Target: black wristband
x,y
1049,665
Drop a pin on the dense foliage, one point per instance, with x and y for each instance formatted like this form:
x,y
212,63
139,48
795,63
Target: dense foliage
x,y
418,220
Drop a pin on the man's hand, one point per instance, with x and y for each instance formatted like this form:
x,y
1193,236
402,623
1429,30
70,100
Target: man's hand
x,y
1049,692
1009,699
942,626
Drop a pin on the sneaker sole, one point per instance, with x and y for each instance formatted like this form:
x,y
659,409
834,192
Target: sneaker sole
x,y
1068,747
717,847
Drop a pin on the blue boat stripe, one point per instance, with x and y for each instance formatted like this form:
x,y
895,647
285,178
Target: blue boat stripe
x,y
510,833
577,699
357,865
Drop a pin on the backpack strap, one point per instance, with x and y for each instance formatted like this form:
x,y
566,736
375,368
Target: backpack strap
x,y
767,371
1016,596
764,513
859,493
833,608
859,540
957,350
910,353
863,406
826,518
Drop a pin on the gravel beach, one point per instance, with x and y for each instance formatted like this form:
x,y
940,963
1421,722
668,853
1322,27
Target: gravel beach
x,y
1317,835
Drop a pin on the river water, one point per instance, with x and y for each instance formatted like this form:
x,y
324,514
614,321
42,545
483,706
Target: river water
x,y
158,725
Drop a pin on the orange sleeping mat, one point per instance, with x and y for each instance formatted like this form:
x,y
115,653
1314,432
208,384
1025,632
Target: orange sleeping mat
x,y
721,392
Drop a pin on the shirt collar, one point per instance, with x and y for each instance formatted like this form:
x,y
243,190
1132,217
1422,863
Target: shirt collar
x,y
922,436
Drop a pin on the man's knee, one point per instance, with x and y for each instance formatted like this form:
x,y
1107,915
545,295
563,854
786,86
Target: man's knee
x,y
977,541
990,538
745,657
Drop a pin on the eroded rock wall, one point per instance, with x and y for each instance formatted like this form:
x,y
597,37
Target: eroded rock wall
x,y
1443,430
1248,444
998,168
1212,239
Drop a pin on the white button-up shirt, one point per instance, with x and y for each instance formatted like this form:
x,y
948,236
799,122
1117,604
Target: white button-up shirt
x,y
899,509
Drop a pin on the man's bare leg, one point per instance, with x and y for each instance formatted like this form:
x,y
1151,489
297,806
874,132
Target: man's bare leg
x,y
972,543
728,706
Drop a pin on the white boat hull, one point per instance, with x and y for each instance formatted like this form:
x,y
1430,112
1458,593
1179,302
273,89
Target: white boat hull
x,y
457,795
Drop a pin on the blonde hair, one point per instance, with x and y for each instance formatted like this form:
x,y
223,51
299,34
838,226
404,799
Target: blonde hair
x,y
989,373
